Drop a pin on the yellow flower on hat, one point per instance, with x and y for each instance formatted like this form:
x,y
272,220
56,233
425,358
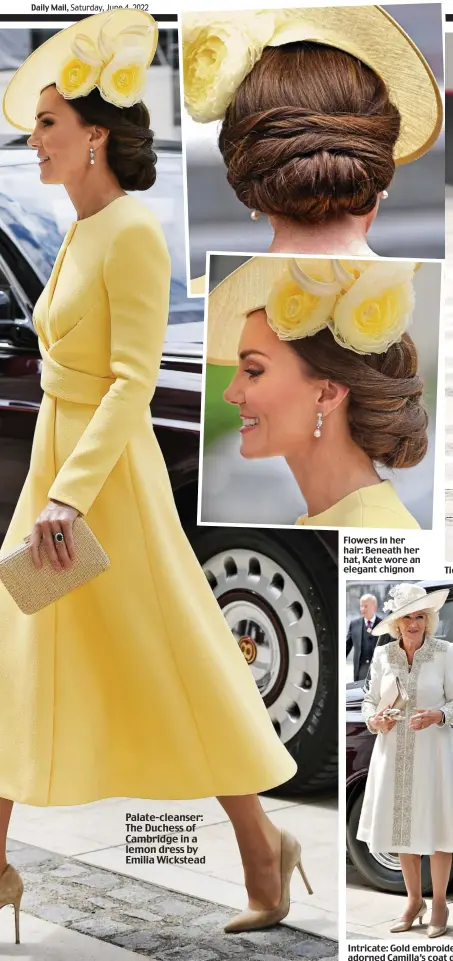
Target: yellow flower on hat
x,y
377,309
295,311
218,52
123,79
77,78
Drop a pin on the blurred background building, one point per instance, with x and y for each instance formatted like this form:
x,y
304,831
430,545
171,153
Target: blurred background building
x,y
263,491
410,222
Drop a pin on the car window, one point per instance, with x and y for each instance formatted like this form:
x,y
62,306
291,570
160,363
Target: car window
x,y
39,215
445,629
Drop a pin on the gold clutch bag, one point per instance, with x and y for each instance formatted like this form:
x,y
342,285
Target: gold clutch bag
x,y
34,589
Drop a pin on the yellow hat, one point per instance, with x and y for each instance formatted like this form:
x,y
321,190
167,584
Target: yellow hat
x,y
110,51
219,50
366,304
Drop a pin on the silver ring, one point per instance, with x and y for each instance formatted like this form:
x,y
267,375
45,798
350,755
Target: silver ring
x,y
58,537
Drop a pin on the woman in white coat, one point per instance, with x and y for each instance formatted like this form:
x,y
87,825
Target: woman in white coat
x,y
408,803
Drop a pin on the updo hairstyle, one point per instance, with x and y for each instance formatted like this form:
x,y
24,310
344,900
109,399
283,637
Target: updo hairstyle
x,y
386,415
310,134
130,153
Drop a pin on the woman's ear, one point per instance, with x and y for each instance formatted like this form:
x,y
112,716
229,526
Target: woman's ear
x,y
331,395
98,136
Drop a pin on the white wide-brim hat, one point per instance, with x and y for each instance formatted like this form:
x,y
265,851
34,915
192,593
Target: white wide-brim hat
x,y
408,599
42,67
367,32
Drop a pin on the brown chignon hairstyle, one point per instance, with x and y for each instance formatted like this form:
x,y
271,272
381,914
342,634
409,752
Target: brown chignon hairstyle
x,y
310,134
130,153
387,418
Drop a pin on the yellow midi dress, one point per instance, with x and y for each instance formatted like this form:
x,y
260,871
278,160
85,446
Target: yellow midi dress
x,y
131,685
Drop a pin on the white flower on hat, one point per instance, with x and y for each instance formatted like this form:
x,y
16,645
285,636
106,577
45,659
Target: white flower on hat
x,y
80,72
366,305
117,66
301,301
403,594
218,52
377,309
123,79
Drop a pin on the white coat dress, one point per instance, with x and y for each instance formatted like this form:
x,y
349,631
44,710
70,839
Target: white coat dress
x,y
408,803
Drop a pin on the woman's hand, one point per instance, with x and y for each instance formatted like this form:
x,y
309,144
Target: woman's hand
x,y
56,517
381,724
423,719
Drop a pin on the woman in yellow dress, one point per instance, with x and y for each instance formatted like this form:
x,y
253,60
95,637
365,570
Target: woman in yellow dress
x,y
126,686
326,378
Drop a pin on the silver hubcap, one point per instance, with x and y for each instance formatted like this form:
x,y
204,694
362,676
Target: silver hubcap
x,y
272,624
387,860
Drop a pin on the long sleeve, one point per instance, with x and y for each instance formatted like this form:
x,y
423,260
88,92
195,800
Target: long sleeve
x,y
373,695
349,640
448,685
137,279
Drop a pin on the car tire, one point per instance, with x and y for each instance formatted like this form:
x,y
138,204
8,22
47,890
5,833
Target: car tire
x,y
305,563
369,867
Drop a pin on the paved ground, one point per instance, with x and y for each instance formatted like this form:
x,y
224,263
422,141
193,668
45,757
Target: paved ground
x,y
95,834
132,915
370,913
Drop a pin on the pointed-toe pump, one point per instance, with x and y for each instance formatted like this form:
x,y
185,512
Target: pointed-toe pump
x,y
435,930
250,920
11,890
406,925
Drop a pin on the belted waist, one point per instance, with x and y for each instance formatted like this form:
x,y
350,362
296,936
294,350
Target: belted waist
x,y
76,386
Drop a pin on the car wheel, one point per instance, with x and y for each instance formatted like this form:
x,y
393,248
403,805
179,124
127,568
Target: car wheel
x,y
383,870
278,593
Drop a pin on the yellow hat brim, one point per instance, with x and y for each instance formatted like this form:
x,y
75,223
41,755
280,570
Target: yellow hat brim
x,y
369,33
244,290
374,37
41,68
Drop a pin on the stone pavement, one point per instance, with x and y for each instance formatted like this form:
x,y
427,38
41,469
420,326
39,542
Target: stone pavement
x,y
371,913
138,917
95,834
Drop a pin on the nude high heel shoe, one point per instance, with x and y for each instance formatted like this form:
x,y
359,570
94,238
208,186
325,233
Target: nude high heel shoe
x,y
435,930
250,920
11,890
405,925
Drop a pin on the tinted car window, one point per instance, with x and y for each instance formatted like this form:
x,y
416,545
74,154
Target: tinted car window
x,y
38,216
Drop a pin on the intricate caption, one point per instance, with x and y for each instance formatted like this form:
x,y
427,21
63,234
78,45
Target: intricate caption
x,y
163,839
410,951
384,554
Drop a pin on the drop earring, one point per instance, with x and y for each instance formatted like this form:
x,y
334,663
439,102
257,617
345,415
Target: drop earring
x,y
317,431
91,155
255,215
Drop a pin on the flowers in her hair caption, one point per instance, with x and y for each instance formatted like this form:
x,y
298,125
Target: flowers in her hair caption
x,y
380,554
163,839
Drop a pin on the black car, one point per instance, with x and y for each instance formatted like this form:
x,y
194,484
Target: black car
x,y
277,588
381,870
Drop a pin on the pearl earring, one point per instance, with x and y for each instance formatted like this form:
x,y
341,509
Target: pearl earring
x,y
317,432
255,215
384,194
91,155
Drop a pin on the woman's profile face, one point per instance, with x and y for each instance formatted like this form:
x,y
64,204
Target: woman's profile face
x,y
277,399
413,626
60,138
